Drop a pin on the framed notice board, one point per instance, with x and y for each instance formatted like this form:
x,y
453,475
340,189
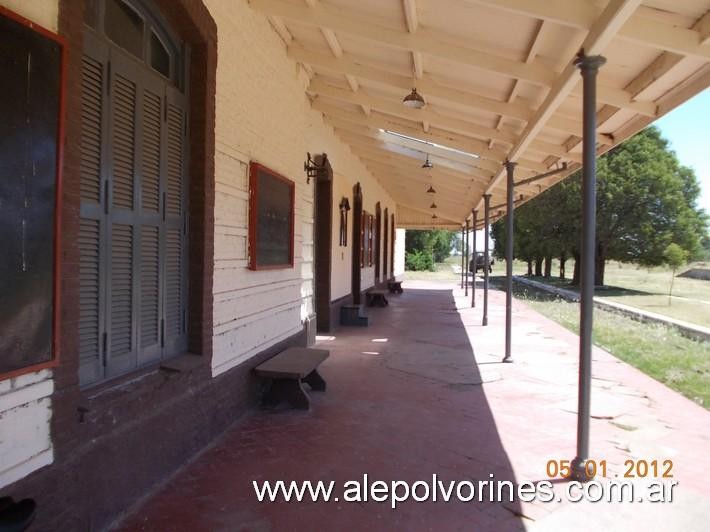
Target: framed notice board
x,y
31,111
271,219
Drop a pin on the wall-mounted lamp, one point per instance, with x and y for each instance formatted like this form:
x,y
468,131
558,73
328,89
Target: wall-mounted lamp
x,y
312,169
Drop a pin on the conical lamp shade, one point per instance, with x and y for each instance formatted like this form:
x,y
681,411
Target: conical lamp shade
x,y
414,100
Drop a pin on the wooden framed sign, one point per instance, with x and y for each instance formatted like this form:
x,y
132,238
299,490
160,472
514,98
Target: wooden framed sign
x,y
31,106
271,219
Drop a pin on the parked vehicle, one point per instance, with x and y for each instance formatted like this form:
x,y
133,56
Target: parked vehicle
x,y
480,263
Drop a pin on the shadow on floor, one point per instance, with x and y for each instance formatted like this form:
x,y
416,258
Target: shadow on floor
x,y
404,403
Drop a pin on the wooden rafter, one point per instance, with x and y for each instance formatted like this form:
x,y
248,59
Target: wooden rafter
x,y
426,86
602,32
583,14
430,43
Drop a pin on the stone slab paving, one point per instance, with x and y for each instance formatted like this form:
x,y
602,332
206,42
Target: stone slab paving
x,y
421,392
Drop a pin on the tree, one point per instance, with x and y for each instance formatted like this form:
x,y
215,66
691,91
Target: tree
x,y
675,256
438,242
645,200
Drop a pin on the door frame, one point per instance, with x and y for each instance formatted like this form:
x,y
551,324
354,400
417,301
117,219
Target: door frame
x,y
355,282
322,241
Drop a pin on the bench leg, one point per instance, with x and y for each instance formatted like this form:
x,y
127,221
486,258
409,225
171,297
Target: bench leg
x,y
290,390
315,381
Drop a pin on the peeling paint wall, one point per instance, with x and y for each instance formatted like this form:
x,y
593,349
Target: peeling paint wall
x,y
25,415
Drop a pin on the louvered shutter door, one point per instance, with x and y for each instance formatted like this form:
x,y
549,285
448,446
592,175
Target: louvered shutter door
x,y
175,264
91,227
151,133
132,237
122,270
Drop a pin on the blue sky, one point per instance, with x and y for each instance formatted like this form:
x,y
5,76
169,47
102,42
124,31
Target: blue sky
x,y
688,129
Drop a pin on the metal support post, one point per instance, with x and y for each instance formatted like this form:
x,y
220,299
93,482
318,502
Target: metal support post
x,y
510,170
462,256
589,67
465,272
474,257
486,221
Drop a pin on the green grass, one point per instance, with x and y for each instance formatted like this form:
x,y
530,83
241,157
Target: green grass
x,y
659,351
444,272
643,288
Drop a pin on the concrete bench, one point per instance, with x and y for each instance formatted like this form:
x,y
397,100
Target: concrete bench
x,y
395,286
287,372
376,298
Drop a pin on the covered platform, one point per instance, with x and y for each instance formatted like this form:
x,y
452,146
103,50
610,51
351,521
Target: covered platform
x,y
423,392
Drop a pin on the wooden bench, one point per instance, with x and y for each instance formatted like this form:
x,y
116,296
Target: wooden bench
x,y
287,372
395,286
376,298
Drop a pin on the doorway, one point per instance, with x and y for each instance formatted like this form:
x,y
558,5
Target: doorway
x,y
357,244
322,241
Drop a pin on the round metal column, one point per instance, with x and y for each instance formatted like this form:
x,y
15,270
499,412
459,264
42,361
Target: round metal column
x,y
465,271
474,213
510,170
487,217
462,256
589,66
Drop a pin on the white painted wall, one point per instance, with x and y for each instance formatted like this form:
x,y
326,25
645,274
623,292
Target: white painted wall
x,y
25,415
42,12
263,114
399,251
25,403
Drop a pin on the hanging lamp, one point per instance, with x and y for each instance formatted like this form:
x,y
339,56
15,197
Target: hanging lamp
x,y
427,164
414,100
432,206
431,190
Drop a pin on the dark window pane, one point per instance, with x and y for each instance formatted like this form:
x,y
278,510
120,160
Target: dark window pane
x,y
124,26
91,11
159,56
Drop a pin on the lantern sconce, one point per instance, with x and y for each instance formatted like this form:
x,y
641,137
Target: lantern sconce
x,y
312,169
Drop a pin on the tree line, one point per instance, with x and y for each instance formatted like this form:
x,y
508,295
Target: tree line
x,y
646,202
424,248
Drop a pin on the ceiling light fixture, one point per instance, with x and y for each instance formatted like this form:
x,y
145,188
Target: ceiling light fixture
x,y
432,206
431,190
414,100
427,164
434,216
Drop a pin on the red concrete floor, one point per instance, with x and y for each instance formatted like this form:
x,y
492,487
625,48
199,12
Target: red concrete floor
x,y
407,398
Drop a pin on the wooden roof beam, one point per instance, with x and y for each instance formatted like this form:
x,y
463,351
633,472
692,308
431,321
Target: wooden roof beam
x,y
455,140
460,171
603,31
429,88
337,50
582,14
430,43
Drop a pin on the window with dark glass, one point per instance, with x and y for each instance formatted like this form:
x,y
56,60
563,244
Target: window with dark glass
x,y
124,26
159,55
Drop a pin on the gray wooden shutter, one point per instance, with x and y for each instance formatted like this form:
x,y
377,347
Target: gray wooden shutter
x,y
91,227
151,133
175,264
132,238
122,274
